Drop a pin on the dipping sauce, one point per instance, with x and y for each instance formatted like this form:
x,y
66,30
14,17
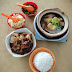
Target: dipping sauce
x,y
17,24
27,12
43,61
21,43
34,5
52,23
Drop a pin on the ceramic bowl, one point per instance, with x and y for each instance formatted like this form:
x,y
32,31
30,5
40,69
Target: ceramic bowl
x,y
31,3
57,11
17,27
22,30
31,58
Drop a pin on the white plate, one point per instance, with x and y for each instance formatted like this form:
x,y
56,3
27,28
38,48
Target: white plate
x,y
7,42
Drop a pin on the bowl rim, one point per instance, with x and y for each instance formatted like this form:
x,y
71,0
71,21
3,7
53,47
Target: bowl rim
x,y
19,14
32,4
35,52
7,39
62,14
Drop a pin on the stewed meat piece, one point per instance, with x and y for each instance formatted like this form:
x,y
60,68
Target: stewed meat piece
x,y
27,46
16,35
15,48
22,36
28,36
21,43
13,39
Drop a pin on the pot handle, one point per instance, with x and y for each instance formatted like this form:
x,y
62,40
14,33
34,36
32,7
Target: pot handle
x,y
58,10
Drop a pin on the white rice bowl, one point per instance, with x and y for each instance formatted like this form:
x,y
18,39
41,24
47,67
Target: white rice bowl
x,y
43,61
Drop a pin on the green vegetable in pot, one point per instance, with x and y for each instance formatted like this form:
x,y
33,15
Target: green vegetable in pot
x,y
56,21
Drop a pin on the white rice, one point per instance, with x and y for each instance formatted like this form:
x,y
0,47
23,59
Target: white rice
x,y
43,61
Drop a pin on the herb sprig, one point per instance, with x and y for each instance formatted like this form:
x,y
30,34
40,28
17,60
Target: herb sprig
x,y
54,21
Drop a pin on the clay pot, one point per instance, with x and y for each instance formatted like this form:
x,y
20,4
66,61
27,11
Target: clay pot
x,y
57,11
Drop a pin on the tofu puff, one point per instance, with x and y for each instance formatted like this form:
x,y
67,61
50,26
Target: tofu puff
x,y
21,43
48,20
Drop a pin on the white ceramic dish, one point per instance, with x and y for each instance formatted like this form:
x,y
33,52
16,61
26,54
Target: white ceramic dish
x,y
24,30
